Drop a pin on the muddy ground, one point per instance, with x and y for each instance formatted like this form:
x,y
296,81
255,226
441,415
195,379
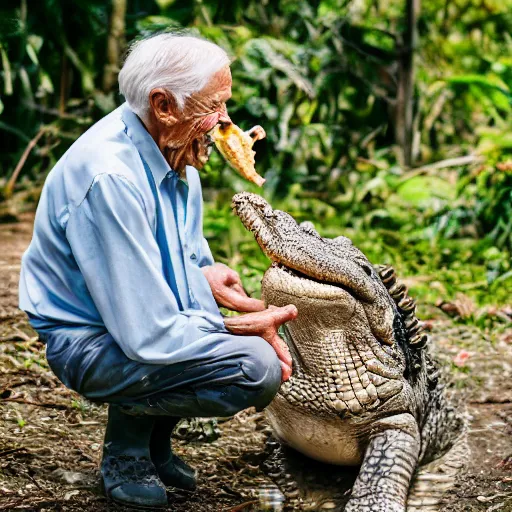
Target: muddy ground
x,y
50,439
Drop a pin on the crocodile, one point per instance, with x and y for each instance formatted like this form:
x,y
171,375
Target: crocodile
x,y
365,390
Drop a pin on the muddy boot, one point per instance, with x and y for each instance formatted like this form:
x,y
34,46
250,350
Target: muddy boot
x,y
128,475
172,470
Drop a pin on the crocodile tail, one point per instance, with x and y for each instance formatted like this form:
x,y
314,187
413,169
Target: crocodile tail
x,y
434,480
444,446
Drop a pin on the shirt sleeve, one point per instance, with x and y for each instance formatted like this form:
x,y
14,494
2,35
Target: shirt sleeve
x,y
116,251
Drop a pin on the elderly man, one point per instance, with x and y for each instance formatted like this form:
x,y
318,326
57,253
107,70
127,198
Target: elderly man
x,y
121,285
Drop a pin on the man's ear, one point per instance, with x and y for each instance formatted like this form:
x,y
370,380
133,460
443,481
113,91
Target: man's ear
x,y
164,107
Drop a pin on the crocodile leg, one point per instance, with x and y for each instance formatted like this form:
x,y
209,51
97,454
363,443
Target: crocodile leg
x,y
389,464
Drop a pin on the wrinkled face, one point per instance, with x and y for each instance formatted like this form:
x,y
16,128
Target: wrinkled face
x,y
183,132
345,326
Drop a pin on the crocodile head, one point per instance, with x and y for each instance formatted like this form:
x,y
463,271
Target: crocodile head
x,y
349,342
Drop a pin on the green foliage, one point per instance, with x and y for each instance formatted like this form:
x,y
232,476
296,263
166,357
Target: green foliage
x,y
321,76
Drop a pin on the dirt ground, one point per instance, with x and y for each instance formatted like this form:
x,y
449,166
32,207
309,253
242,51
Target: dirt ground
x,y
50,439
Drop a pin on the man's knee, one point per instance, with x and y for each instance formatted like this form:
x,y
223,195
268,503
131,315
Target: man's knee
x,y
262,370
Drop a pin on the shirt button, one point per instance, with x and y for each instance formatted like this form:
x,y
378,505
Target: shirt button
x,y
193,257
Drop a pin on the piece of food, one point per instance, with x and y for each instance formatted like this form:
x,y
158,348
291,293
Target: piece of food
x,y
235,146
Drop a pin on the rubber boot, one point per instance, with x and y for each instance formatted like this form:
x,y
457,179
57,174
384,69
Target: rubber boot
x,y
128,475
172,470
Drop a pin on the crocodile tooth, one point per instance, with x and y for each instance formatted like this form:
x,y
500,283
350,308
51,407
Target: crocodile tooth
x,y
419,341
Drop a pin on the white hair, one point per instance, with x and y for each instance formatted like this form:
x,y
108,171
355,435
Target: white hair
x,y
180,64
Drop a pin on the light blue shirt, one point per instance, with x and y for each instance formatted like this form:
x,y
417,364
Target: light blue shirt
x,y
118,243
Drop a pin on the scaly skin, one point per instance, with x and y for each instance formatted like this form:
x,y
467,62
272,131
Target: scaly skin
x,y
364,389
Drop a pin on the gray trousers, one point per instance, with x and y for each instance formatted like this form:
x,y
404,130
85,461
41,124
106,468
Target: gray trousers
x,y
230,374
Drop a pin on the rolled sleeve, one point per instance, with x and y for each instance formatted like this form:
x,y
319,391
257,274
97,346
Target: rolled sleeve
x,y
113,244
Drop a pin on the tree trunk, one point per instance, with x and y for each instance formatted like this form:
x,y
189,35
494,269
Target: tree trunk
x,y
404,120
115,44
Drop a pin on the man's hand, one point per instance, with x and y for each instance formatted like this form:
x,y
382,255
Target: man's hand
x,y
228,291
265,324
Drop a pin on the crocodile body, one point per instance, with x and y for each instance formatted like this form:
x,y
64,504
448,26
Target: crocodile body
x,y
365,390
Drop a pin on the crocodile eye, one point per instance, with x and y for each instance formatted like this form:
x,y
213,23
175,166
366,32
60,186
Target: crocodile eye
x,y
367,269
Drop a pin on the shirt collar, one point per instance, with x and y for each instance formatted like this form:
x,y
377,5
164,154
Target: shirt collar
x,y
145,144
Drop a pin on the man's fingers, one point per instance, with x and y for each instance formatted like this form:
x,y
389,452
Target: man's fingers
x,y
265,324
280,347
282,350
261,321
286,372
250,305
232,299
231,277
239,289
284,314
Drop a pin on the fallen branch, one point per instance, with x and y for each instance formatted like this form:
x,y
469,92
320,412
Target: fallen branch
x,y
443,164
55,112
10,184
25,502
10,451
60,407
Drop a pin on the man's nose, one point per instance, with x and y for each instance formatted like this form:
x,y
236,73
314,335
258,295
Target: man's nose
x,y
224,117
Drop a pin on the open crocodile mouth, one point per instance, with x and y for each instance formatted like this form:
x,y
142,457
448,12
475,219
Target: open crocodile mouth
x,y
282,285
299,283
